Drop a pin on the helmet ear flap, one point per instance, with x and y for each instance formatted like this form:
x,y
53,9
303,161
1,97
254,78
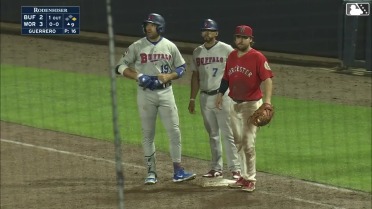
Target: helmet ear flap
x,y
160,29
144,28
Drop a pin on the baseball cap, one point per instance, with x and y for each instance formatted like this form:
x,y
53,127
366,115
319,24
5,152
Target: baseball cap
x,y
244,30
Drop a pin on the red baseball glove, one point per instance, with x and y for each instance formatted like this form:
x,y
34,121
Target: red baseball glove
x,y
263,115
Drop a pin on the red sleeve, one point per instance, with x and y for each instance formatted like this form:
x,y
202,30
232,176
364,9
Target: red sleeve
x,y
263,68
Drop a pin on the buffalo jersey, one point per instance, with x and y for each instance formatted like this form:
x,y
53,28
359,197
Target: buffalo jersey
x,y
210,63
152,58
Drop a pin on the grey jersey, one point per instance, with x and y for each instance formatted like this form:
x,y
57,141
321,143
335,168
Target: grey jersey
x,y
150,59
210,63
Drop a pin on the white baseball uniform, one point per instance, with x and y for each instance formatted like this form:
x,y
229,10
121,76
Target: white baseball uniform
x,y
210,64
151,59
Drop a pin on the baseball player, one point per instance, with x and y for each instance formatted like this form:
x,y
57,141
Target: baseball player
x,y
246,68
208,66
154,61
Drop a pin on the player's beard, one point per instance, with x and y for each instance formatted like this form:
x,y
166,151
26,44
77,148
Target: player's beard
x,y
243,48
208,39
153,36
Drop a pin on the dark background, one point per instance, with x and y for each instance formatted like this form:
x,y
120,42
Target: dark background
x,y
309,27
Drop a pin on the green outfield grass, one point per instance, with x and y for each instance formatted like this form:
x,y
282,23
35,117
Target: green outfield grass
x,y
312,140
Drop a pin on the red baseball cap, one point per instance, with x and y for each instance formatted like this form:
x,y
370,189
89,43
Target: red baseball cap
x,y
244,30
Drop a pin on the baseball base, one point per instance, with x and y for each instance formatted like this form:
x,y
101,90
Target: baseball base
x,y
213,182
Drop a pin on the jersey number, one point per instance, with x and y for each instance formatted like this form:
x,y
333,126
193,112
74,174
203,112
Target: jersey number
x,y
165,69
215,71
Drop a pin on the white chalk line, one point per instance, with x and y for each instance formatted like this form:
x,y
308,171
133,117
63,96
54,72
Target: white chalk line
x,y
70,153
142,167
302,200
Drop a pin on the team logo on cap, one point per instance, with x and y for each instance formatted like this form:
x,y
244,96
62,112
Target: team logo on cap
x,y
242,29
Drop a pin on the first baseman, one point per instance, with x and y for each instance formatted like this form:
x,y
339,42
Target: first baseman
x,y
208,65
154,62
246,69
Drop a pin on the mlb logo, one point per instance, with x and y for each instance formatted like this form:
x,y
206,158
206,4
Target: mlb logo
x,y
357,9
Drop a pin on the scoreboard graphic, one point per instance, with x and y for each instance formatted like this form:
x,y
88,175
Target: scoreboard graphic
x,y
50,20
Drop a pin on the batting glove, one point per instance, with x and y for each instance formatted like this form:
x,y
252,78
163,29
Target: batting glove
x,y
154,85
144,80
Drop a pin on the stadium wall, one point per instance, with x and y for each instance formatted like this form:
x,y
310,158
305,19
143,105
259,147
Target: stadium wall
x,y
298,27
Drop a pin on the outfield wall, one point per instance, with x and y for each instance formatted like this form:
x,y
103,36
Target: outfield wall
x,y
298,27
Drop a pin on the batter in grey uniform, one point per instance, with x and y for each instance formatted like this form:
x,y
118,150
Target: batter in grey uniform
x,y
208,67
154,62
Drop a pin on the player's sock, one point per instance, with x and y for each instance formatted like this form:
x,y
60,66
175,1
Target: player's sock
x,y
176,167
151,163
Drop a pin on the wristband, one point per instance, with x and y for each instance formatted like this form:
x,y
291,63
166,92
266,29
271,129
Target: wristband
x,y
121,69
180,71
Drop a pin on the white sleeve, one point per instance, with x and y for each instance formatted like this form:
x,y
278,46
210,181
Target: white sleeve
x,y
229,49
127,59
177,57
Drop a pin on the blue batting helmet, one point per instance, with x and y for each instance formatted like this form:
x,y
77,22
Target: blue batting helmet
x,y
209,24
157,20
